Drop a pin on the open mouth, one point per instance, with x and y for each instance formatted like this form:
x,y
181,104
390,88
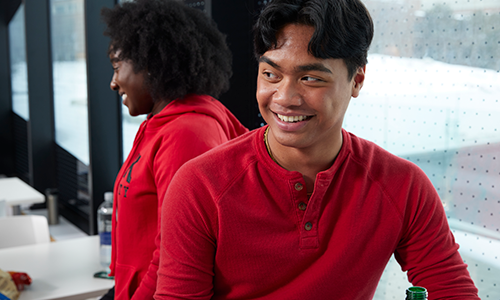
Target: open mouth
x,y
293,119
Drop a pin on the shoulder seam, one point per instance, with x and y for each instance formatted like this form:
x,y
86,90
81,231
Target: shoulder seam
x,y
236,177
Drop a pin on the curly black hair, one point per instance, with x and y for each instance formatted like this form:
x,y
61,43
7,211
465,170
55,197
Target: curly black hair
x,y
343,28
179,46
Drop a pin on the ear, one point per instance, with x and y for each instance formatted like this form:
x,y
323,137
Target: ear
x,y
357,81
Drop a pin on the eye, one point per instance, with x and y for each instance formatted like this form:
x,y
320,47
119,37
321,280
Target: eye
x,y
270,76
311,79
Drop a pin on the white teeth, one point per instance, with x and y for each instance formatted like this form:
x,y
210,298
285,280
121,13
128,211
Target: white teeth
x,y
124,96
291,119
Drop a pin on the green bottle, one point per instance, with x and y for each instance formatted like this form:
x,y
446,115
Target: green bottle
x,y
416,293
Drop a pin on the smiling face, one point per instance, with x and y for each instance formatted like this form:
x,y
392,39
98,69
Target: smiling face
x,y
301,97
130,86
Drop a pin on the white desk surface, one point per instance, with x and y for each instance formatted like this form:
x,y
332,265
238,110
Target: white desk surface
x,y
17,192
59,270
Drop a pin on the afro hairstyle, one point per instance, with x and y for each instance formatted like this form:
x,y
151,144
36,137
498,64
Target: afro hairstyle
x,y
179,47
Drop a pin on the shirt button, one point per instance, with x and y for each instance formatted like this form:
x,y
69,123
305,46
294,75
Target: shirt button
x,y
302,206
299,186
308,226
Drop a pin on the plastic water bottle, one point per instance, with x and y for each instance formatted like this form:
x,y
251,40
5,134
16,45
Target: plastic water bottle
x,y
104,217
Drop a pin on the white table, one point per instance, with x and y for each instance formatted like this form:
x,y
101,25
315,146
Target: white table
x,y
59,270
16,192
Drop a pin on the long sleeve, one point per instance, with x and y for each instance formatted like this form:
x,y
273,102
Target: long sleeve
x,y
428,250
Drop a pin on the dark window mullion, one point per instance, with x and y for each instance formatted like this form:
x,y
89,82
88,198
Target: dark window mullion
x,y
40,87
104,111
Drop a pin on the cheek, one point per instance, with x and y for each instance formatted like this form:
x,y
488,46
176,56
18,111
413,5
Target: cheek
x,y
259,94
264,93
263,100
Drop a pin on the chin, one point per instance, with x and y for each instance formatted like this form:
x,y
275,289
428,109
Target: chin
x,y
132,113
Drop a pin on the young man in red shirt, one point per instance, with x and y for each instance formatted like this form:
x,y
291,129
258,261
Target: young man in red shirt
x,y
302,209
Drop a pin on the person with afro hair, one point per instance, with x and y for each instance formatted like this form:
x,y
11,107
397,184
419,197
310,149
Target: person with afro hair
x,y
169,62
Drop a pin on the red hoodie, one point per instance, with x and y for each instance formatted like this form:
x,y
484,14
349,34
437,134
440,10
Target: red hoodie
x,y
184,129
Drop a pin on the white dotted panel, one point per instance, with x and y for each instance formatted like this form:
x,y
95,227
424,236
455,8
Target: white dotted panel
x,y
432,96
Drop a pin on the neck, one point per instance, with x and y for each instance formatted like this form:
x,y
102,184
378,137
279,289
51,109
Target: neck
x,y
308,161
159,105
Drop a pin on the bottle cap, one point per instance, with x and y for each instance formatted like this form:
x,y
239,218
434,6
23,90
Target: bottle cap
x,y
108,196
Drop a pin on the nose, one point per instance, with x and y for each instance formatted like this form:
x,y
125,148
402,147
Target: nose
x,y
288,93
113,85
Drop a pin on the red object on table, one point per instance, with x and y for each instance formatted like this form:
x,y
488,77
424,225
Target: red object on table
x,y
20,279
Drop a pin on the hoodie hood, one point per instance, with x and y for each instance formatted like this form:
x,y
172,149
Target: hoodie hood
x,y
200,104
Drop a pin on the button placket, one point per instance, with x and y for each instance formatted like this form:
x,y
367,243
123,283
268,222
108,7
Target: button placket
x,y
306,219
309,228
299,199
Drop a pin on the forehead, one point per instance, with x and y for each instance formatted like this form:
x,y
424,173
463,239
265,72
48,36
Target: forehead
x,y
294,37
292,46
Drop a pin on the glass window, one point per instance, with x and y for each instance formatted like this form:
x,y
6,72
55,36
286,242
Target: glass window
x,y
70,77
18,66
431,96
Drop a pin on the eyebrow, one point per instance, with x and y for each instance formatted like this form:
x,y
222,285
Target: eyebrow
x,y
114,60
314,67
309,67
264,59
